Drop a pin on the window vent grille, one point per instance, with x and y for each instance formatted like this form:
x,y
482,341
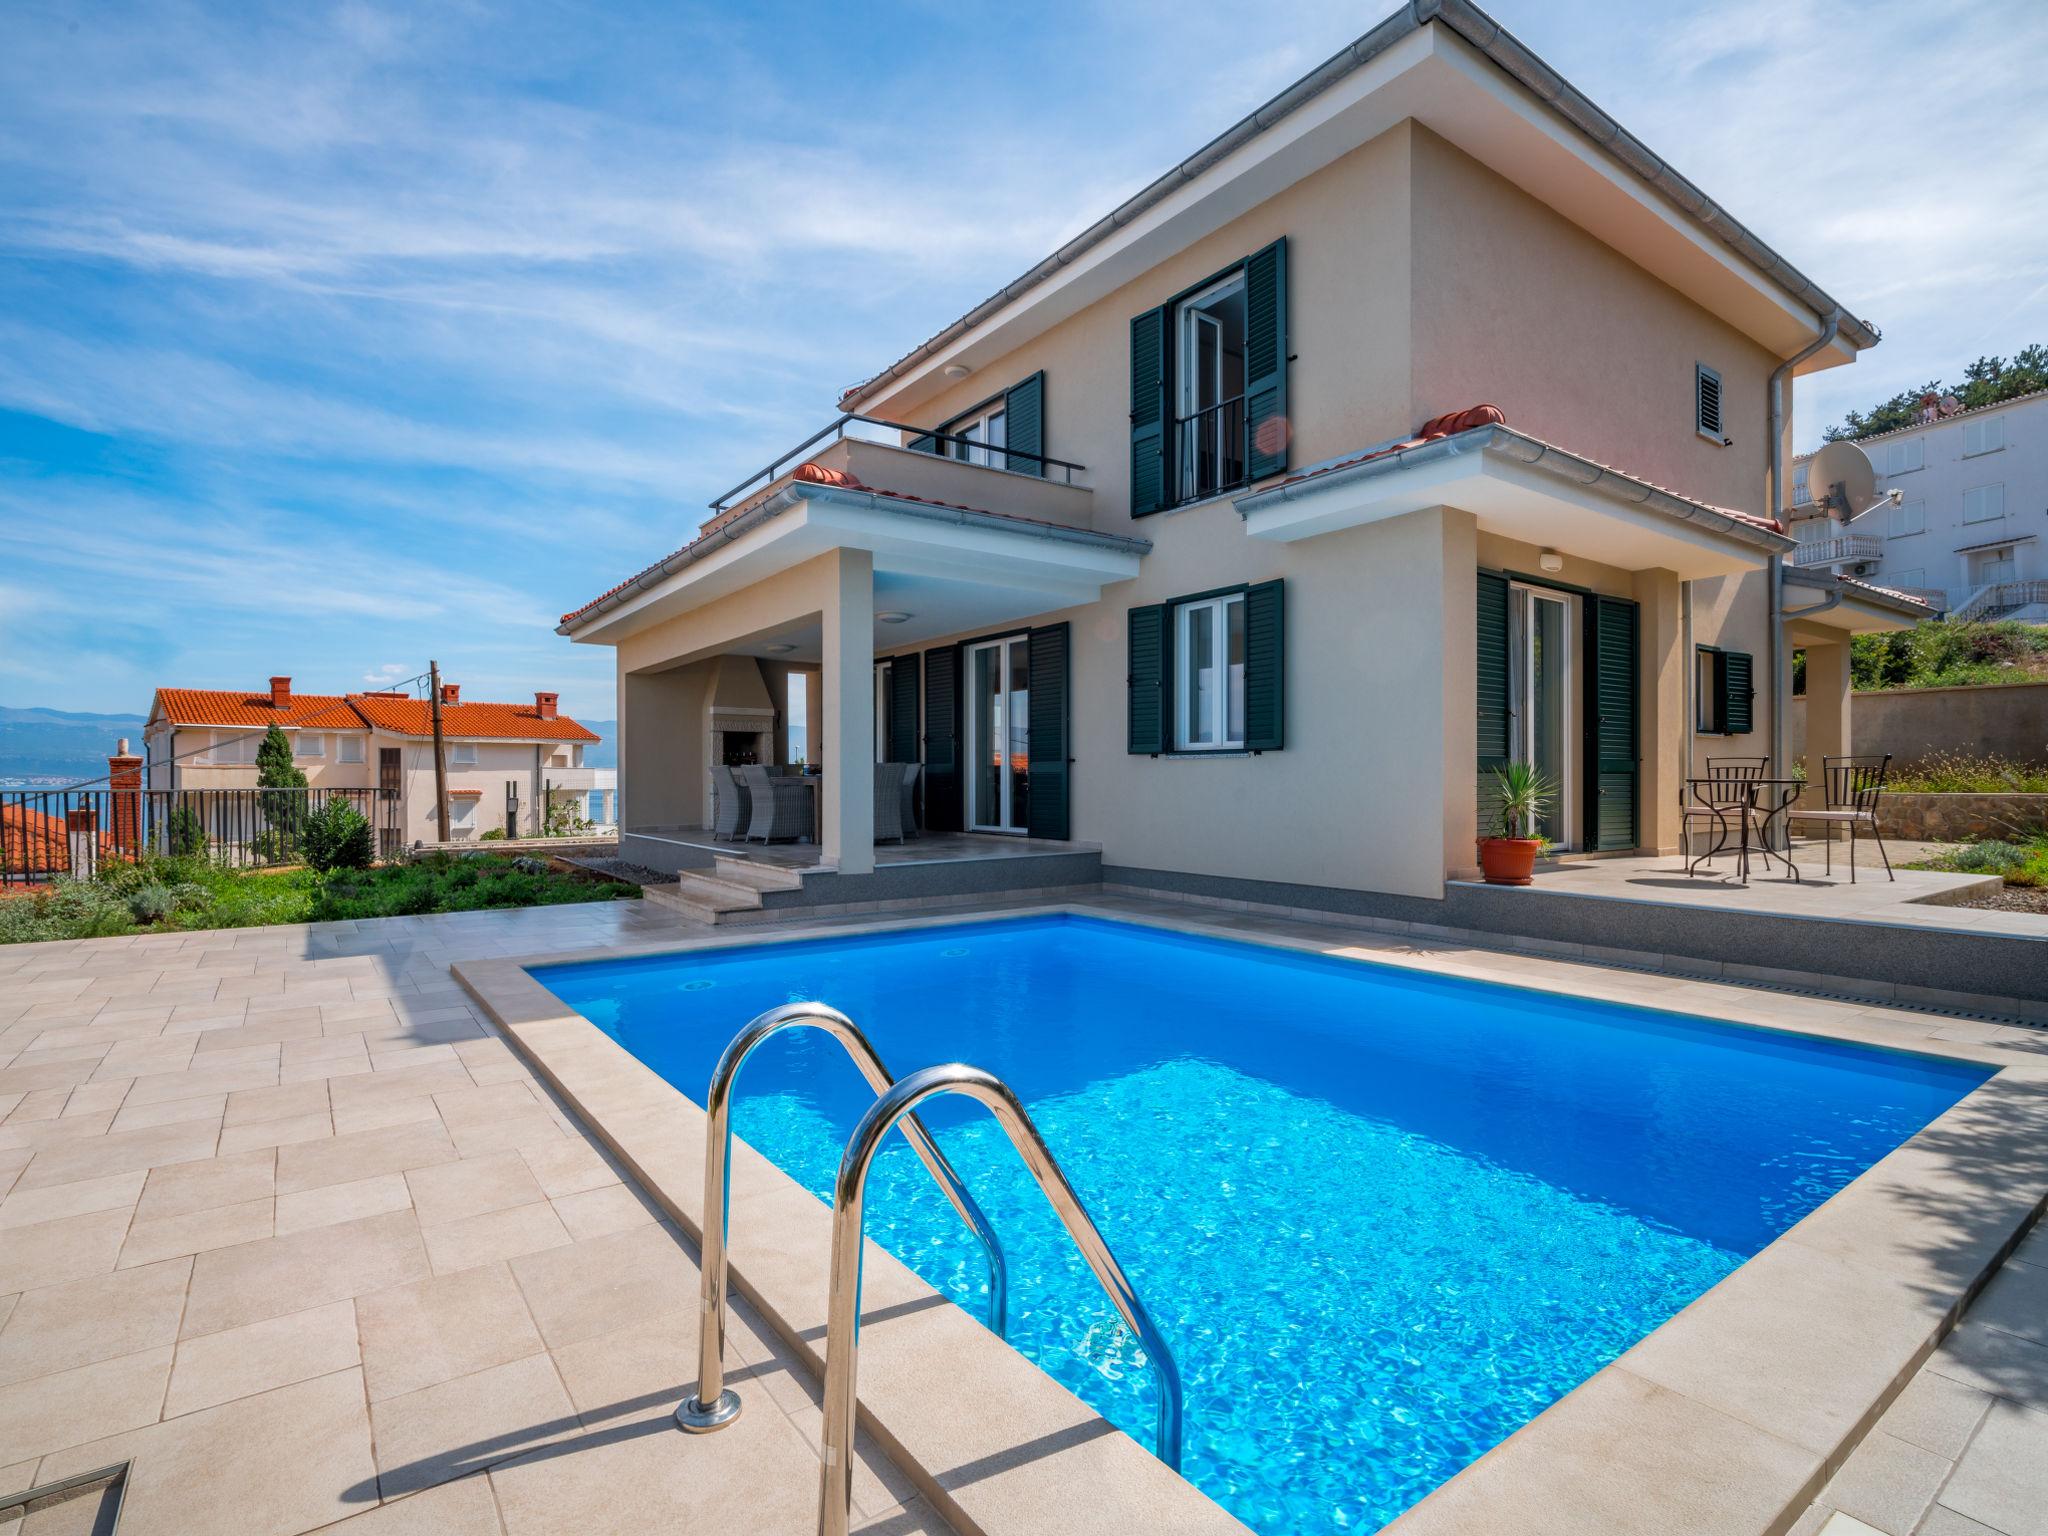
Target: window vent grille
x,y
1707,403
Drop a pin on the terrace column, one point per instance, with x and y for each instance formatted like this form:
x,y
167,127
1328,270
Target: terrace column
x,y
848,682
1827,706
1661,664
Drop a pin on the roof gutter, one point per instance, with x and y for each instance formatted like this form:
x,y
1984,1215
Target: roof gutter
x,y
1500,46
1504,442
798,492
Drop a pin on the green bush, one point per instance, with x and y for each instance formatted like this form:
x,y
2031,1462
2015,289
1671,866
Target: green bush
x,y
495,835
186,833
1988,858
336,836
69,909
1941,654
1957,773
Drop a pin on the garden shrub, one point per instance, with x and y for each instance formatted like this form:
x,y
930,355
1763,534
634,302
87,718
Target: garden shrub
x,y
1958,773
186,833
336,836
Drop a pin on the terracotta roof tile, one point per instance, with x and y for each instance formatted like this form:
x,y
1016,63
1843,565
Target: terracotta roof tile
x,y
484,721
229,706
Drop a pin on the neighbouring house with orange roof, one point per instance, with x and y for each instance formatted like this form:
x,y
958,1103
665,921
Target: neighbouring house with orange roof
x,y
1423,421
504,760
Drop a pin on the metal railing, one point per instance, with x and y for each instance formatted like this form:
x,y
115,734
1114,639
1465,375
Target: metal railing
x,y
842,1328
1838,550
714,1405
1984,601
46,834
971,451
1210,452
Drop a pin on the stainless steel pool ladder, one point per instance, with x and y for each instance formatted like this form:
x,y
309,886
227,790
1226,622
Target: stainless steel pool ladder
x,y
842,1331
715,1405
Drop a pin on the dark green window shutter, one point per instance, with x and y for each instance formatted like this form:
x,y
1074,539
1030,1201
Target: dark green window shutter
x,y
1147,710
904,688
1024,423
1265,360
942,806
1148,412
1049,814
1737,676
1493,688
1611,788
1265,667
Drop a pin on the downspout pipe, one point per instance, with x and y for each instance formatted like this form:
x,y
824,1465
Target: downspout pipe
x,y
1781,667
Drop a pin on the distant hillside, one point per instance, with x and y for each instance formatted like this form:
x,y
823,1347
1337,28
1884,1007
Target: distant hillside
x,y
606,753
58,744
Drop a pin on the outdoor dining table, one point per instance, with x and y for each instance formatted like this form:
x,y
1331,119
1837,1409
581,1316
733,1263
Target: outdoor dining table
x,y
1772,797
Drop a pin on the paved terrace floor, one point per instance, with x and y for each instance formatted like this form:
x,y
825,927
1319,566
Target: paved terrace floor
x,y
285,1223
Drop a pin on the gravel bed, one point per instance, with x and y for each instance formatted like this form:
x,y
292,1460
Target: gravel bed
x,y
2012,898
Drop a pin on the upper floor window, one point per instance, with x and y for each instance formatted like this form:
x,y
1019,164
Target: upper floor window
x,y
1914,577
1899,458
1986,436
462,752
1706,400
309,744
1208,692
1908,517
1983,503
348,749
1799,492
979,439
1209,369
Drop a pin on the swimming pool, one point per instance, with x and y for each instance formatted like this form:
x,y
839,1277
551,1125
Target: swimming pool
x,y
1383,1217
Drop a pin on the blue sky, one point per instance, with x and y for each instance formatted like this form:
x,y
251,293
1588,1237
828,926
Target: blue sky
x,y
335,337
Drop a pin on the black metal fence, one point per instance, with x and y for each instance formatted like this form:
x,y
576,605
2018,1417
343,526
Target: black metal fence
x,y
1210,450
49,833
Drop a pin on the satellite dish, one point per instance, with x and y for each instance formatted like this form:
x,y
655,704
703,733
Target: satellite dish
x,y
1842,478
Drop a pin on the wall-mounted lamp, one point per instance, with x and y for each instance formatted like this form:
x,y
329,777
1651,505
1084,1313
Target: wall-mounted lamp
x,y
892,618
778,650
1551,561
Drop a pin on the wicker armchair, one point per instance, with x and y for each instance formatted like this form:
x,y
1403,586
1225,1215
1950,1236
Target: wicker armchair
x,y
888,803
910,773
731,806
781,807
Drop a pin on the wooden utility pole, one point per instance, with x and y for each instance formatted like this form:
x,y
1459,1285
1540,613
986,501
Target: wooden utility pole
x,y
442,834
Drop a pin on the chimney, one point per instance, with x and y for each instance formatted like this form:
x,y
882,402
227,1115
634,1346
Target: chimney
x,y
280,693
124,785
451,693
544,705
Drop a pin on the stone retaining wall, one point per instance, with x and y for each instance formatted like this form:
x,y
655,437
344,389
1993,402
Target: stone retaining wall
x,y
1952,818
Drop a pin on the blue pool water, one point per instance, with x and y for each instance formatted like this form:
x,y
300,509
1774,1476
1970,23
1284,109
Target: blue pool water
x,y
1383,1218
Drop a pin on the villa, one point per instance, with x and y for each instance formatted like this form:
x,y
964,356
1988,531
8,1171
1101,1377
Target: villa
x,y
504,760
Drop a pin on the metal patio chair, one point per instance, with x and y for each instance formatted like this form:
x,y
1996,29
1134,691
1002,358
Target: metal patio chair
x,y
781,806
731,806
1721,801
1852,786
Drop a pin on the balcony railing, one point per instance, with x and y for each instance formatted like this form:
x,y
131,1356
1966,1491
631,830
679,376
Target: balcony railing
x,y
1994,598
1209,450
874,429
1840,550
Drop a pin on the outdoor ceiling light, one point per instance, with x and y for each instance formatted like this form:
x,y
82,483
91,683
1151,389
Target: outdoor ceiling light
x,y
891,618
779,650
1551,561
956,370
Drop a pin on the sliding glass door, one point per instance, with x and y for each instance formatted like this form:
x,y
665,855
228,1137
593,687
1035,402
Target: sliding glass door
x,y
1545,673
998,735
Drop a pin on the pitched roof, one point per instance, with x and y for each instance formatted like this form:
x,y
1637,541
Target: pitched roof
x,y
1939,421
231,706
479,721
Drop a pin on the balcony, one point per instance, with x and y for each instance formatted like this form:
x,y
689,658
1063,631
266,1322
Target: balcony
x,y
1843,549
950,470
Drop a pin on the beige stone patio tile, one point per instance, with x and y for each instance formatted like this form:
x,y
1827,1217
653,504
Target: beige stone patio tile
x,y
630,1372
568,1165
405,1056
505,1234
234,1179
431,1331
253,1281
2002,1478
117,1191
52,1130
48,1413
1887,1482
465,1507
70,1248
595,1212
276,1133
360,1155
324,1047
364,1089
152,1053
516,1129
1936,1414
1991,1360
330,1203
593,1287
275,1464
97,1098
64,1326
259,1357
37,1104
200,1081
219,1226
377,1114
471,1186
1946,1522
460,1426
323,1070
2016,1301
171,1112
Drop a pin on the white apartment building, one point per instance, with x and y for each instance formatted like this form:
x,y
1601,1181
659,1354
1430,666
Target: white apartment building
x,y
1972,516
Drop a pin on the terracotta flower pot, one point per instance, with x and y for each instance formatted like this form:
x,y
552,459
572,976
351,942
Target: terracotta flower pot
x,y
1508,860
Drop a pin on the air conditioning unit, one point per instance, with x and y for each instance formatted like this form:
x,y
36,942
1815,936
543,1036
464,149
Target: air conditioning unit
x,y
1860,568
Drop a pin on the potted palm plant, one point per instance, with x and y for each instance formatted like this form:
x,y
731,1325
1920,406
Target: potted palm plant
x,y
1509,857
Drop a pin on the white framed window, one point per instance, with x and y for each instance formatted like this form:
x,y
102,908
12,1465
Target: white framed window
x,y
1209,377
309,744
462,753
1799,492
1902,457
1908,517
1208,668
462,814
1986,436
1984,503
1915,577
986,431
348,749
235,747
